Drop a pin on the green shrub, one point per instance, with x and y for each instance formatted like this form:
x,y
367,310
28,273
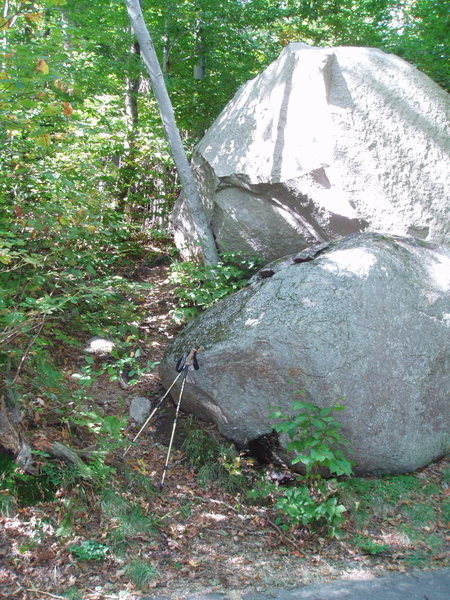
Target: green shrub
x,y
120,362
59,282
310,507
200,286
313,436
89,550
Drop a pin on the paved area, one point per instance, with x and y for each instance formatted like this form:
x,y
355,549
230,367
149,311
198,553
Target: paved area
x,y
417,585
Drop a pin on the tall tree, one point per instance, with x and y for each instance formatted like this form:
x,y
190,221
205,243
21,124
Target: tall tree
x,y
200,221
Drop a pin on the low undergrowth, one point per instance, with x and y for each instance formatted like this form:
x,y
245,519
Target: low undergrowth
x,y
400,515
124,526
315,441
200,286
215,463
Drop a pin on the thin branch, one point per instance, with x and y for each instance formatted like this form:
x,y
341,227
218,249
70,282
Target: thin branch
x,y
71,456
27,350
283,535
8,22
14,331
235,528
34,591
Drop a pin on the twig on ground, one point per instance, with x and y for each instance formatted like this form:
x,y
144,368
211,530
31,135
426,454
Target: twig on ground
x,y
69,455
45,594
281,533
283,536
236,528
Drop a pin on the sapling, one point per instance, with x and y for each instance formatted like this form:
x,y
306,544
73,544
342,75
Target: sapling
x,y
315,439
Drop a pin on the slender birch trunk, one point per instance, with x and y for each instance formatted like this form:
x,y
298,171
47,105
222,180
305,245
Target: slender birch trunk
x,y
128,160
202,228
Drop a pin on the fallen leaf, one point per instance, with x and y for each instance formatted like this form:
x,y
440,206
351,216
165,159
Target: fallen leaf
x,y
42,67
35,17
194,563
67,109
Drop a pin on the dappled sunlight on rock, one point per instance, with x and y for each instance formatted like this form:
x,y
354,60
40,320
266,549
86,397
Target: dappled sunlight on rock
x,y
254,322
325,142
440,272
362,318
351,262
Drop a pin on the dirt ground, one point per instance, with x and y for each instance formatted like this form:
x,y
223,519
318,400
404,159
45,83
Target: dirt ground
x,y
202,539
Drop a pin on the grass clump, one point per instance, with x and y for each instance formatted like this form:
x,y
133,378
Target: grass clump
x,y
113,504
126,521
141,573
136,522
369,546
214,463
73,593
407,508
388,488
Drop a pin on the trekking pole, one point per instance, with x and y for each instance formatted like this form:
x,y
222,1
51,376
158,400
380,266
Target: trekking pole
x,y
153,412
191,360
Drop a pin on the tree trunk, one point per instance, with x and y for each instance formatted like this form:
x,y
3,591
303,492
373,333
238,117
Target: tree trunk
x,y
166,39
11,440
131,95
128,160
203,231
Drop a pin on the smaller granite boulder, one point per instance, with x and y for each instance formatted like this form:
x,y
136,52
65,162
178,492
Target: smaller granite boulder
x,y
139,409
99,346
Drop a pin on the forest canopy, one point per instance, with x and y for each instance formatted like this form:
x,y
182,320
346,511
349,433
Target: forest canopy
x,y
76,103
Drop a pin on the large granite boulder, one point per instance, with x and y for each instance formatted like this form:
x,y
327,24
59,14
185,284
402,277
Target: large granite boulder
x,y
325,142
366,318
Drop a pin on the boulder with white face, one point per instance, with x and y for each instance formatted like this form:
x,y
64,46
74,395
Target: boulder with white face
x,y
325,142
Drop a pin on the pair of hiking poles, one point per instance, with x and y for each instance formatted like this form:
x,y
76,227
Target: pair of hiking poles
x,y
182,367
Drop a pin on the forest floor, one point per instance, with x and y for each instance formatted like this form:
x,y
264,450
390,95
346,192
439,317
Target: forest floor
x,y
129,539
